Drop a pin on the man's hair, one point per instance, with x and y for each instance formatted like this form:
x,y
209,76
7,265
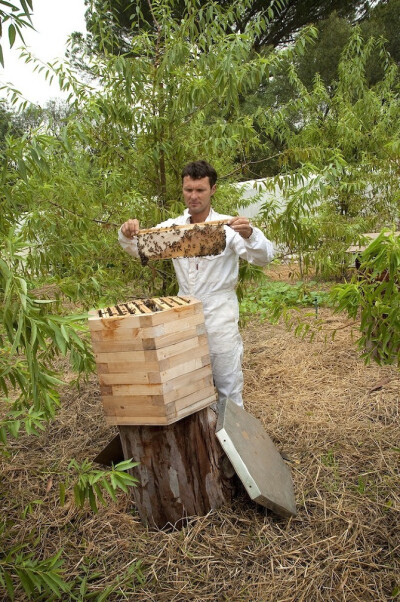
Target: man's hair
x,y
200,169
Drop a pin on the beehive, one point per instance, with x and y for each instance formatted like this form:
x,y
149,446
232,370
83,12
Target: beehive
x,y
152,359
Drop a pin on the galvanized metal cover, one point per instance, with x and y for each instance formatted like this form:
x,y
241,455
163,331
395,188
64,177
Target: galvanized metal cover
x,y
255,459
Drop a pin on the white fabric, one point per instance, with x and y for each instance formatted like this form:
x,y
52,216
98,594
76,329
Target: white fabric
x,y
213,280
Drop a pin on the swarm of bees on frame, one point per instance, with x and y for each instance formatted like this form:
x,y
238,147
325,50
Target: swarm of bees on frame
x,y
196,241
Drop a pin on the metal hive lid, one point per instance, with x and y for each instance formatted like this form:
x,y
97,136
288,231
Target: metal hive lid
x,y
255,459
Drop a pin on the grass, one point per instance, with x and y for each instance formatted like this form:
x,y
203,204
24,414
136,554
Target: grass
x,y
335,418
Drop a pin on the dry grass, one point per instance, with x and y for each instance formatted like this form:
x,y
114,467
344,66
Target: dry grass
x,y
336,419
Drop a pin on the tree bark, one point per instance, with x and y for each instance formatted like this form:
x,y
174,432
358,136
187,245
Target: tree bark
x,y
181,471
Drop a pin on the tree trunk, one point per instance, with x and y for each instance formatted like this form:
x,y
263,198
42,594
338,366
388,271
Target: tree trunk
x,y
181,471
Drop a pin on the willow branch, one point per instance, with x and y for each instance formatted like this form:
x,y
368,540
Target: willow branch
x,y
96,221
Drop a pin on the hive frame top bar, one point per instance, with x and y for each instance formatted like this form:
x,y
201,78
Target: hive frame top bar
x,y
140,307
218,222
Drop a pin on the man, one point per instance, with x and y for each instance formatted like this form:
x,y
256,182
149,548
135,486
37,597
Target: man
x,y
213,279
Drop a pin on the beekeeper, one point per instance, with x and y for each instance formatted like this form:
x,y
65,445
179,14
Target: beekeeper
x,y
213,279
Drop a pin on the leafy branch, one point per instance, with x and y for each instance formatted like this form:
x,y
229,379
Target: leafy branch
x,y
92,484
30,339
18,18
34,575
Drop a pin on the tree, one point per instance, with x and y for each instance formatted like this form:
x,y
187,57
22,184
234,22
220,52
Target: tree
x,y
384,20
339,166
283,20
374,295
7,122
323,57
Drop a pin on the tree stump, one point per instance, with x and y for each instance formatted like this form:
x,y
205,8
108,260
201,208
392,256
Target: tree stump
x,y
181,471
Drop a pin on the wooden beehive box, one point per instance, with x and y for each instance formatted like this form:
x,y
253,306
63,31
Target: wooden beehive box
x,y
153,360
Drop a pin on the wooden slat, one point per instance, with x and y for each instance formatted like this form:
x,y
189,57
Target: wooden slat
x,y
177,376
189,389
177,363
123,310
136,411
132,308
155,368
129,378
129,356
142,306
183,346
105,389
158,333
175,313
173,411
111,346
124,332
172,339
161,303
174,389
182,380
129,366
182,403
176,301
188,299
186,410
218,222
116,322
136,400
145,320
170,413
129,341
150,390
182,323
139,420
151,355
128,345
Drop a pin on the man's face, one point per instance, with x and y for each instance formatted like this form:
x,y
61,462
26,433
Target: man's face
x,y
197,195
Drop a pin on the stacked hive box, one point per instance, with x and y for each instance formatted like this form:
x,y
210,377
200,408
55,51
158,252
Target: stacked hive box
x,y
153,360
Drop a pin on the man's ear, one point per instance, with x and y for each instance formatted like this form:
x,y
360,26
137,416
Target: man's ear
x,y
213,189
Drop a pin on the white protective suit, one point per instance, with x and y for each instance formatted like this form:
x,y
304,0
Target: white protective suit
x,y
213,280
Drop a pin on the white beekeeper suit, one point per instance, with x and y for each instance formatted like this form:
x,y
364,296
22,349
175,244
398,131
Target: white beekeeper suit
x,y
213,280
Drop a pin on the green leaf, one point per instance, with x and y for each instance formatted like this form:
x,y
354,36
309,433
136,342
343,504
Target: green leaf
x,y
25,6
11,34
126,465
79,496
109,490
3,435
62,494
99,494
26,582
54,583
9,585
64,333
92,500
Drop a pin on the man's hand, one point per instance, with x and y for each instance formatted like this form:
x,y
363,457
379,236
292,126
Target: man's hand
x,y
241,225
130,228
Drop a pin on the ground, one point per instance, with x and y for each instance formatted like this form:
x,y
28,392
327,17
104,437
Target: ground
x,y
335,419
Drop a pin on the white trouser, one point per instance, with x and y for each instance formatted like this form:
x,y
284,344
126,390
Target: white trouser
x,y
228,375
221,315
